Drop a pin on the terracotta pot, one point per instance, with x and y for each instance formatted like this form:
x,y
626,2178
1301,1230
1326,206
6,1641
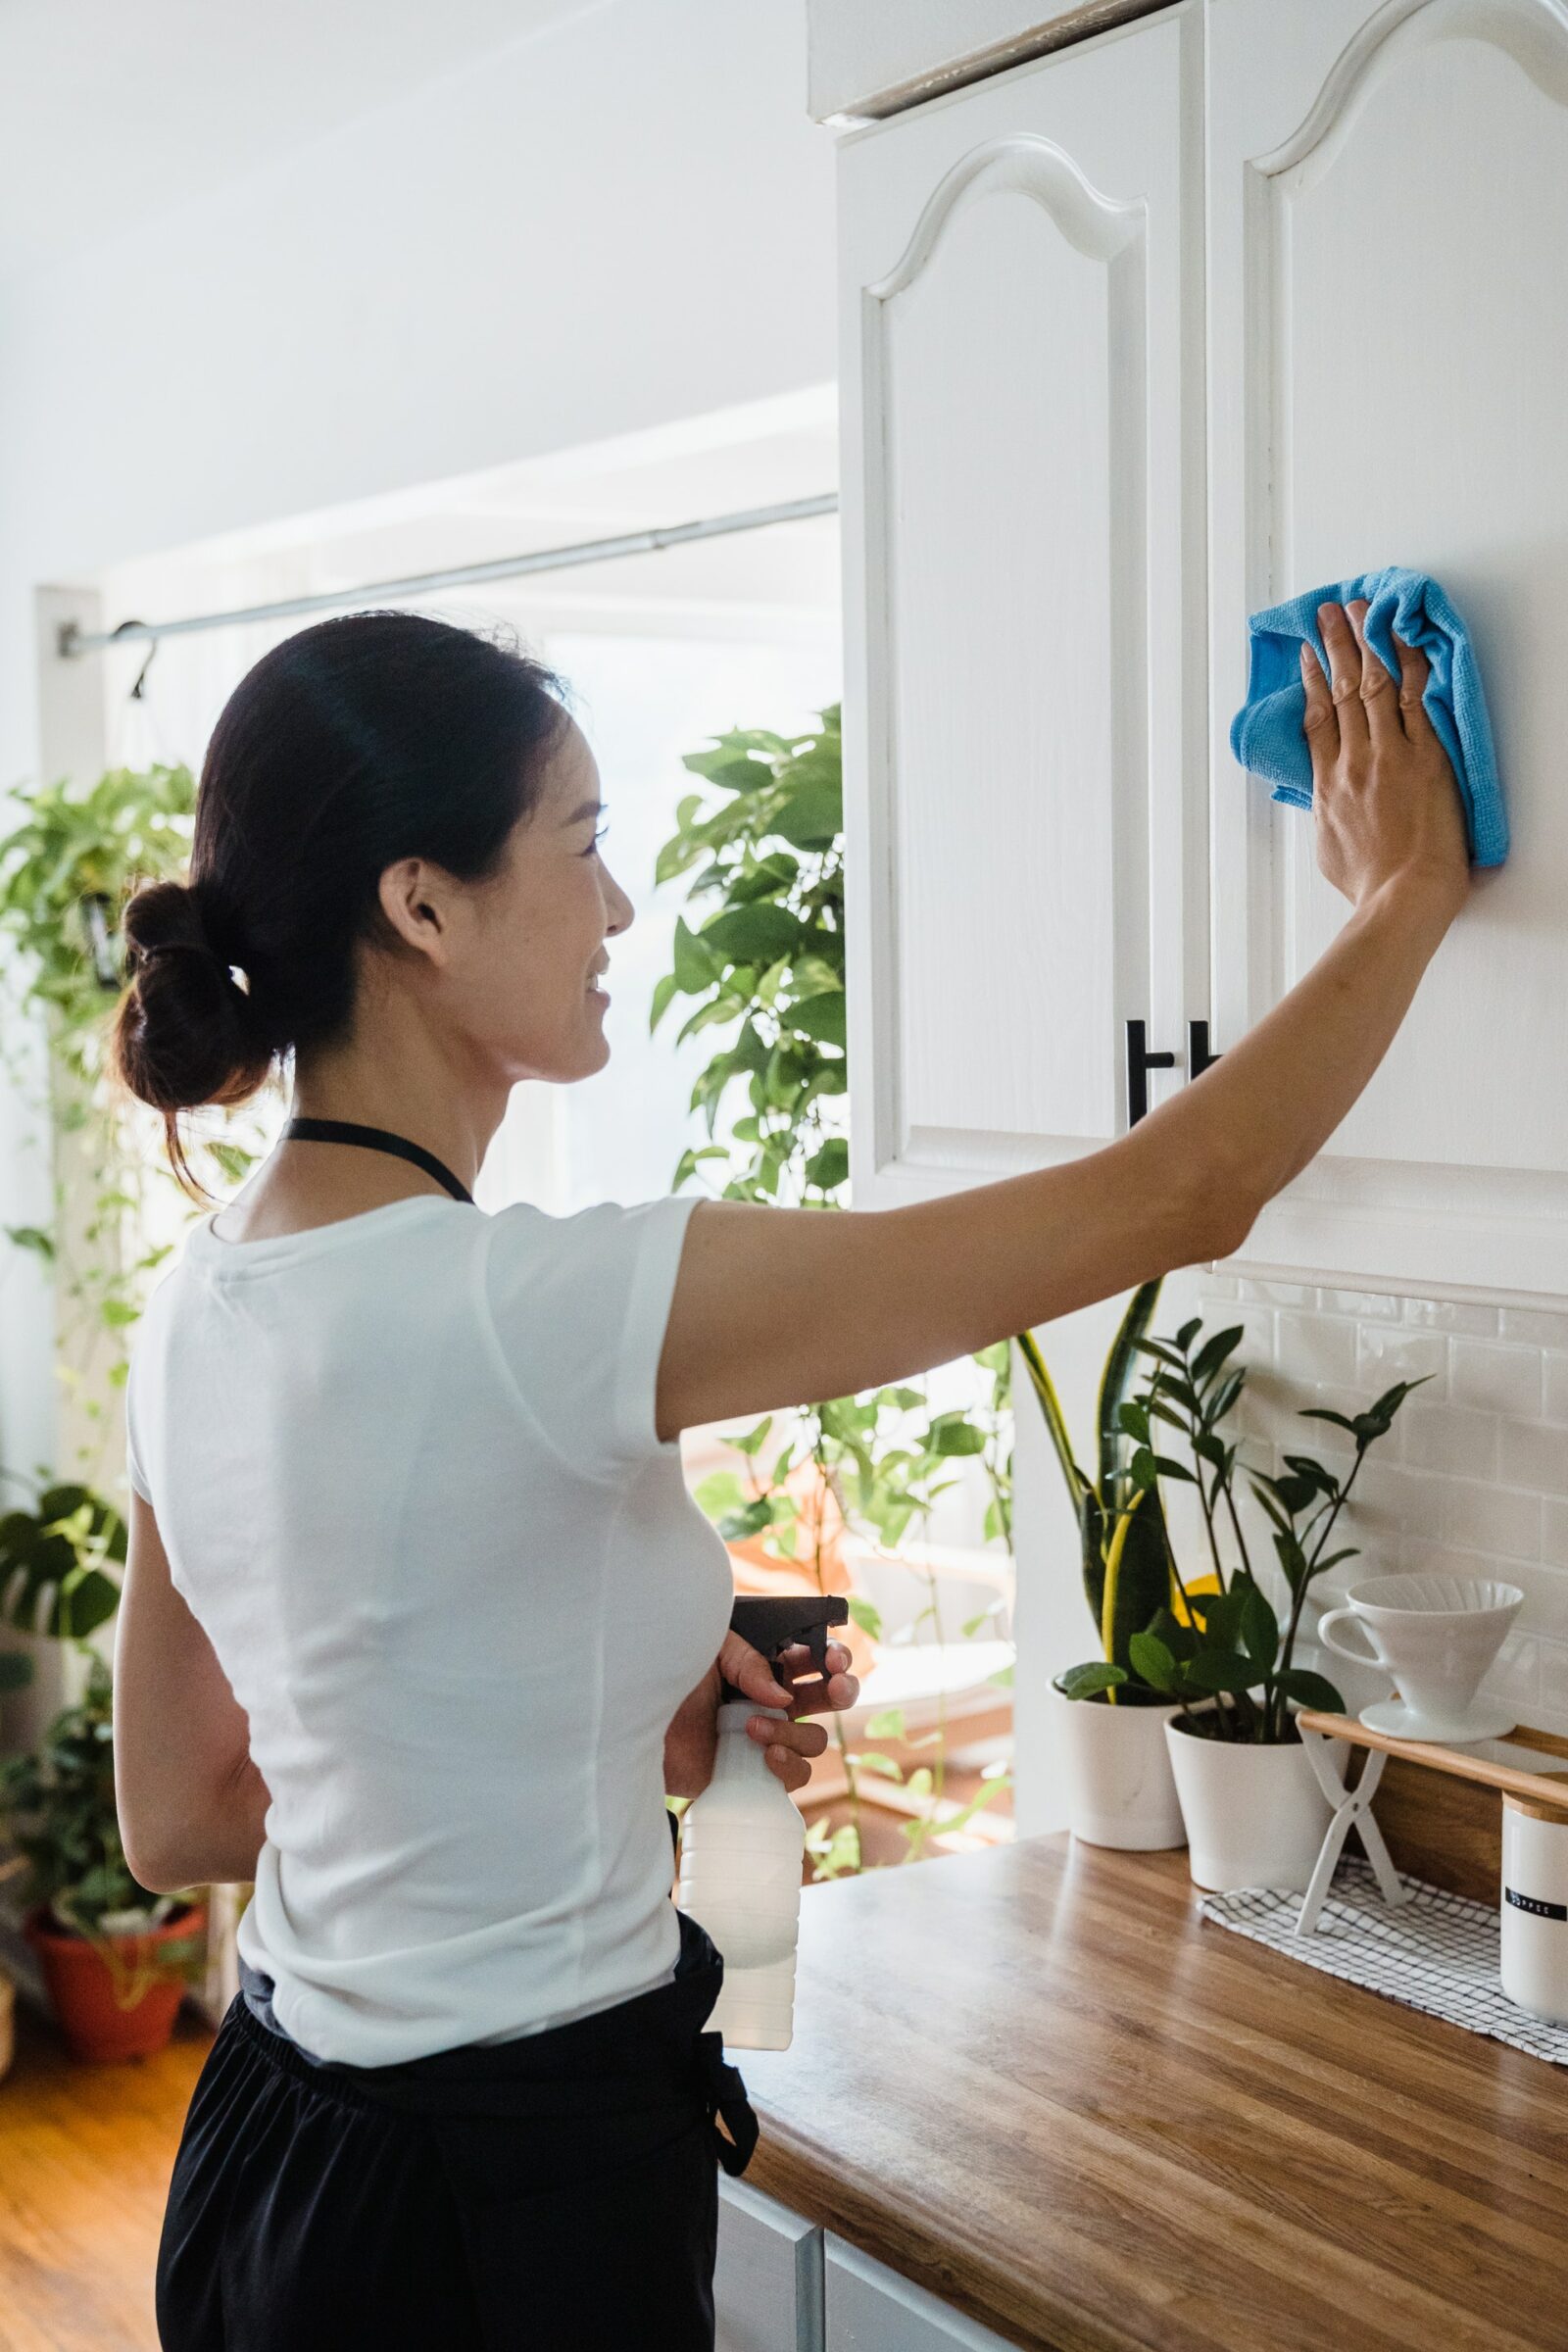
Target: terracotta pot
x,y
1116,1767
111,2012
1255,1815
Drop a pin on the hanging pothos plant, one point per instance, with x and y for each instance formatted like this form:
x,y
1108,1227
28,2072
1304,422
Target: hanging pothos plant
x,y
768,962
66,872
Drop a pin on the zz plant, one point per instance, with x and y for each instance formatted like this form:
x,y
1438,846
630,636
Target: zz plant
x,y
764,848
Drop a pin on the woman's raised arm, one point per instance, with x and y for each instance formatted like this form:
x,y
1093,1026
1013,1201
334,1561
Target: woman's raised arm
x,y
784,1306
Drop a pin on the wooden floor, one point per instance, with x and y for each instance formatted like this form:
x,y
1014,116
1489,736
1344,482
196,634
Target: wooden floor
x,y
84,2160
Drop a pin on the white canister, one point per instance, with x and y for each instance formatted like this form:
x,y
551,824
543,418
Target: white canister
x,y
1535,1907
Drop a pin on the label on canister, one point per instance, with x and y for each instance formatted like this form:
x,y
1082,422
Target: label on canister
x,y
1533,1905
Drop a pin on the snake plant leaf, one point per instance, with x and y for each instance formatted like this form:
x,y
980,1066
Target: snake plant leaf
x,y
1091,1551
1140,1547
1116,1379
1056,1421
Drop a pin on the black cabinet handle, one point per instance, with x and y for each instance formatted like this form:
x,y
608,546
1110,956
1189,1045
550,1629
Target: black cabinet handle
x,y
1198,1057
1140,1062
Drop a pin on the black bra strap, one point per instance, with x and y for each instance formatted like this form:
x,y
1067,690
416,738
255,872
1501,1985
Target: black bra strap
x,y
376,1139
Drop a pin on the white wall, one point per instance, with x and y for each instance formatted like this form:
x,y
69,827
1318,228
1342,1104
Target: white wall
x,y
620,222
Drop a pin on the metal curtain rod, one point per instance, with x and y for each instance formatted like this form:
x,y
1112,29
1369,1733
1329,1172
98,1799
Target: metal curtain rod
x,y
72,641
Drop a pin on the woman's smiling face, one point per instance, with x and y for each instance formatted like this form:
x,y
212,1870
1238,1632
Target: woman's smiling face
x,y
538,952
508,975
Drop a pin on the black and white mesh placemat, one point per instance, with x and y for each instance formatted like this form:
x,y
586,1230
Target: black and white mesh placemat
x,y
1437,1952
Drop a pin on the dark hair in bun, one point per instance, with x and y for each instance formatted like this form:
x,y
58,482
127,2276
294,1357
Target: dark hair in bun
x,y
358,741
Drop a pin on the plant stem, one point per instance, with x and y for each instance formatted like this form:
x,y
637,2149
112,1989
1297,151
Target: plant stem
x,y
1288,1650
1240,1538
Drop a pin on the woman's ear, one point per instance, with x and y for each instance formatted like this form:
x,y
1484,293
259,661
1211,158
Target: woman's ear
x,y
413,897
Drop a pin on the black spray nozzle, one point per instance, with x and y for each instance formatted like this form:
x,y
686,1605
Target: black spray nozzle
x,y
771,1623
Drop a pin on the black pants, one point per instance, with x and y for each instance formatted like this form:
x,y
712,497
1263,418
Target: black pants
x,y
556,2193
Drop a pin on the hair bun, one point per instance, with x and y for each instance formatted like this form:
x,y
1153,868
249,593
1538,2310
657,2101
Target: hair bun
x,y
185,1032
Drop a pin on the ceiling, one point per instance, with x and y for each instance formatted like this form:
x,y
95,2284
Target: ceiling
x,y
779,581
115,109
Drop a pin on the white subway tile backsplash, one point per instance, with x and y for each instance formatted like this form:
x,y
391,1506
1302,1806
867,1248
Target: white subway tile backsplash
x,y
1541,1329
1553,1699
1533,1455
1546,1590
1367,1306
1386,1495
1451,1314
1495,1520
1386,1353
1495,1378
1471,1479
1515,1677
1315,1347
1276,1293
1447,1438
1555,1539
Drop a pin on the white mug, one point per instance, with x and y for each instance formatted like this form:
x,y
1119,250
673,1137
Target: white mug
x,y
1436,1634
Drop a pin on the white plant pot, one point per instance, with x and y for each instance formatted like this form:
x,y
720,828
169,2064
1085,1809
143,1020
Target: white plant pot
x,y
1255,1816
1121,1789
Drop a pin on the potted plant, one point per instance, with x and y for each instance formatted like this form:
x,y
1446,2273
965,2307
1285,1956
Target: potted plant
x,y
1120,1790
115,1956
1254,1812
16,1671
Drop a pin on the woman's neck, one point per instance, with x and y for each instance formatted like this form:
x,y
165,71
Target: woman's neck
x,y
401,1085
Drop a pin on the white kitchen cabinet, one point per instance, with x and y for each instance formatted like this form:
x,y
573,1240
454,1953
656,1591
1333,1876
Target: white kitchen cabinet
x,y
872,2308
1024,528
1137,338
1389,343
767,2276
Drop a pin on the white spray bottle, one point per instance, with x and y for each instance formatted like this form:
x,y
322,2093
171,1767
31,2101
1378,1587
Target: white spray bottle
x,y
742,1840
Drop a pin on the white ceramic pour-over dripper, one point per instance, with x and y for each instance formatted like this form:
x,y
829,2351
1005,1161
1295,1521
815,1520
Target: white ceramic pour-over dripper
x,y
1437,1635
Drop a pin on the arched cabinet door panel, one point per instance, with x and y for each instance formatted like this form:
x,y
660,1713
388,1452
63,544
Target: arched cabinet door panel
x,y
1022,350
1388,345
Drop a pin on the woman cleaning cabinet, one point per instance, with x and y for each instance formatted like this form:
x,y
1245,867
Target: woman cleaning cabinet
x,y
419,1625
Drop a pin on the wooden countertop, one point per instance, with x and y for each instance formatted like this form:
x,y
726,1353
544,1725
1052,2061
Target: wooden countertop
x,y
1032,2081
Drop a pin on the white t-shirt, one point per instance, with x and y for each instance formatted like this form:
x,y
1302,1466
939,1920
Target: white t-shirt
x,y
406,1471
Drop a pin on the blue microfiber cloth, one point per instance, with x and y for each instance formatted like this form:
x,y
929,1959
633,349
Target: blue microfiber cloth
x,y
1266,733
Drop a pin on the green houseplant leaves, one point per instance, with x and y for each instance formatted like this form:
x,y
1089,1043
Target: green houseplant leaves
x,y
1213,1644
